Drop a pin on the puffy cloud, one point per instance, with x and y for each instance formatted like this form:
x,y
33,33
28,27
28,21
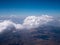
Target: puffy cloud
x,y
29,22
35,21
4,25
8,25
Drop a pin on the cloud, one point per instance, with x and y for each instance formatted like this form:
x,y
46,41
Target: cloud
x,y
11,31
19,26
28,23
8,25
35,21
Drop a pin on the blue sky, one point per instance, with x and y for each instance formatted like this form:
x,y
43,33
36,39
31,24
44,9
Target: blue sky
x,y
30,7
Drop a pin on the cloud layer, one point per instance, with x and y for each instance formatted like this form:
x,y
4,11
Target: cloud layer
x,y
29,22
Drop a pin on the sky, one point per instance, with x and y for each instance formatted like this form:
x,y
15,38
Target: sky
x,y
30,7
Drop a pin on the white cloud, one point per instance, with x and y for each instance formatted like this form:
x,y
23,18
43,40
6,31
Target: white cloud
x,y
29,22
6,24
35,21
